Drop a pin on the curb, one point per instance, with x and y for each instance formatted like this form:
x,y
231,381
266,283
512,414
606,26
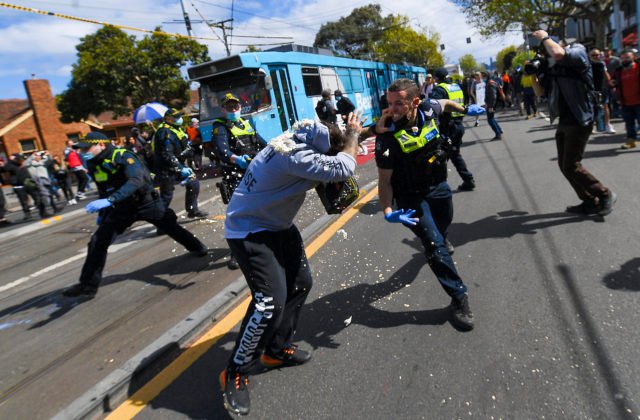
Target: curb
x,y
110,392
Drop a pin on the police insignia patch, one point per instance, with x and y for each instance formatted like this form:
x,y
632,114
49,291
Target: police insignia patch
x,y
131,161
215,131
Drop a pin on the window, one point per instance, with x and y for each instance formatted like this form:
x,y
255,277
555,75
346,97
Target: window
x,y
311,80
28,145
248,85
343,74
356,80
73,136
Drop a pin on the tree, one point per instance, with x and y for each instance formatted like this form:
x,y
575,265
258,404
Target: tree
x,y
402,44
468,63
354,35
116,73
505,58
495,17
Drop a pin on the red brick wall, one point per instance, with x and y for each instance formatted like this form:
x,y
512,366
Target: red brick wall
x,y
45,125
24,131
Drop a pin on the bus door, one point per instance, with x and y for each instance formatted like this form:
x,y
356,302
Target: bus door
x,y
284,99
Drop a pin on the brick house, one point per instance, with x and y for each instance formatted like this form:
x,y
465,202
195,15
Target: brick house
x,y
32,124
27,125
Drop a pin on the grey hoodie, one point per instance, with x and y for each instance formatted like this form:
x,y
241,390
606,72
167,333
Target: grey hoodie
x,y
275,183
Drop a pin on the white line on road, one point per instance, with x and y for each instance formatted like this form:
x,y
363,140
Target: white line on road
x,y
112,249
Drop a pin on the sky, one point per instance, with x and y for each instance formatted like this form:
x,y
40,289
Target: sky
x,y
40,46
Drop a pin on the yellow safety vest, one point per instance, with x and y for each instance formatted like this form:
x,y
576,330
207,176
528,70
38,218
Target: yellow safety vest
x,y
177,131
455,94
239,132
105,168
412,142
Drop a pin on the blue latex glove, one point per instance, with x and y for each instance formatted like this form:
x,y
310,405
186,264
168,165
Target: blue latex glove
x,y
186,172
97,205
475,109
401,216
99,219
243,161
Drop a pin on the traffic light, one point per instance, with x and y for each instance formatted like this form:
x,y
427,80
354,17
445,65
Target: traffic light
x,y
468,40
441,47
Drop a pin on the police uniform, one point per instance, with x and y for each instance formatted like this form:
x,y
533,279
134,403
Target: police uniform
x,y
417,156
234,138
451,125
168,163
126,183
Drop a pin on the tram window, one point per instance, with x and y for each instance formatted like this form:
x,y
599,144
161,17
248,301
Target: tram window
x,y
343,74
356,80
248,85
311,81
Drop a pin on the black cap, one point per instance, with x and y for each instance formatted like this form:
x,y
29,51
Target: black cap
x,y
337,93
172,112
441,73
90,139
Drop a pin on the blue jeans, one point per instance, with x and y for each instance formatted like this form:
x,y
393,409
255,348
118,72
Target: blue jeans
x,y
631,114
435,211
491,119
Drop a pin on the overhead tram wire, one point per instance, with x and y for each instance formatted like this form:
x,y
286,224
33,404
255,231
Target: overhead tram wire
x,y
97,22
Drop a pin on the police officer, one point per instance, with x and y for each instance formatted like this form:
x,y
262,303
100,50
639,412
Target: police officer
x,y
169,145
235,143
451,125
126,195
412,171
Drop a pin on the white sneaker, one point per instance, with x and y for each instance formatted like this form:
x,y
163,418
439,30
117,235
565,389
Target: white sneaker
x,y
610,130
73,202
80,196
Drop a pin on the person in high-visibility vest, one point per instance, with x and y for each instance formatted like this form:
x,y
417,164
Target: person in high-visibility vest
x,y
411,156
169,163
235,143
126,195
451,125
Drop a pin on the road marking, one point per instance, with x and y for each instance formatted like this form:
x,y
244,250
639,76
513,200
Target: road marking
x,y
140,399
112,248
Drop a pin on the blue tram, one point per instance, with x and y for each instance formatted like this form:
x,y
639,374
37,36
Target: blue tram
x,y
279,88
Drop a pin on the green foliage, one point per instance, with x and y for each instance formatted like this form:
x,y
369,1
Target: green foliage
x,y
251,48
356,34
496,17
402,44
116,73
468,64
504,59
520,58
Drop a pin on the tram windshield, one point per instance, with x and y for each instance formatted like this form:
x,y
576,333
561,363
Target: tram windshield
x,y
248,85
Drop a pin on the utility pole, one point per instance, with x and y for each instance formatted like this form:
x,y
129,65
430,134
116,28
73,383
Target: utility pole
x,y
187,22
225,40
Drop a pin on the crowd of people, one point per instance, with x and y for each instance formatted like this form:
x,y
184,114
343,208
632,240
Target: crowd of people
x,y
264,183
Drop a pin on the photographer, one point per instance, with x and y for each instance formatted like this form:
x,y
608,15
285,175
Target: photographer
x,y
571,98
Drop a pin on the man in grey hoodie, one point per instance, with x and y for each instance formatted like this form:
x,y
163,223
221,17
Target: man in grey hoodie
x,y
260,231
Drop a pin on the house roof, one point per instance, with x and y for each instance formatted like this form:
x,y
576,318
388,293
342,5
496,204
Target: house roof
x,y
11,108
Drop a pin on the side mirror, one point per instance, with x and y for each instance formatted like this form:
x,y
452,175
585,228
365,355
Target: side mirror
x,y
268,83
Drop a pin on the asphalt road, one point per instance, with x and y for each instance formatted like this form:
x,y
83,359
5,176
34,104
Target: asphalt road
x,y
555,298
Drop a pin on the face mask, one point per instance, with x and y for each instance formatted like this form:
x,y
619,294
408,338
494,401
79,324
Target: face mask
x,y
233,116
338,98
179,121
626,63
87,155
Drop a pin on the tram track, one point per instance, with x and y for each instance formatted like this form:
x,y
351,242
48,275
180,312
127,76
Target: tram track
x,y
50,366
